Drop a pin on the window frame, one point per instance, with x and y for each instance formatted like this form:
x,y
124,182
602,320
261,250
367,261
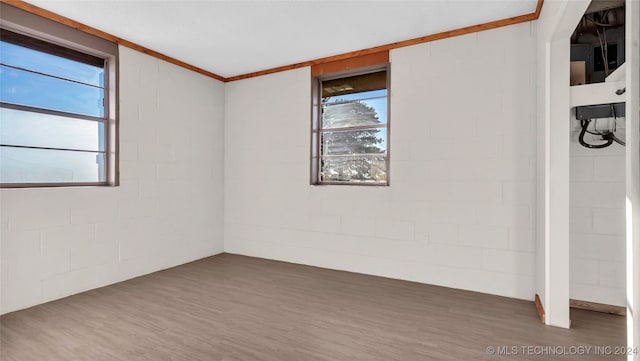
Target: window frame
x,y
316,123
63,38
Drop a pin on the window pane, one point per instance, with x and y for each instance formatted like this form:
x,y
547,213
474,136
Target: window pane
x,y
365,169
26,58
367,141
357,96
350,113
24,165
19,127
25,88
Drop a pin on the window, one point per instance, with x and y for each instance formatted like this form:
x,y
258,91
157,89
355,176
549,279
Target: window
x,y
351,129
57,113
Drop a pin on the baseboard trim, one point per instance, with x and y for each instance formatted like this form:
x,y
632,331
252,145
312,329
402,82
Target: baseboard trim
x,y
598,307
540,308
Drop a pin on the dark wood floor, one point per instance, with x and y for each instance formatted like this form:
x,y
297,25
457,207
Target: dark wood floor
x,y
232,308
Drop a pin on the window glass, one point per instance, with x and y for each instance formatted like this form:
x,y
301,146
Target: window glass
x,y
366,141
353,130
367,108
42,91
32,165
24,128
37,61
354,169
53,117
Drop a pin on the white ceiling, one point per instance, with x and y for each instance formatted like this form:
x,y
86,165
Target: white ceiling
x,y
237,37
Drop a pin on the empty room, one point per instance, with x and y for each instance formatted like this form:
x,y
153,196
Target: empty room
x,y
319,180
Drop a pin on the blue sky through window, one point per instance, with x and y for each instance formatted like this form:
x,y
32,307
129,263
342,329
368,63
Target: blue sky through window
x,y
376,99
80,91
30,59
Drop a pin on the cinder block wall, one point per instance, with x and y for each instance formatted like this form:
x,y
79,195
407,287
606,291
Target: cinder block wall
x,y
597,222
460,208
167,210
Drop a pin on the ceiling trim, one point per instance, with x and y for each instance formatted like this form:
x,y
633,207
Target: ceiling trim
x,y
101,34
350,63
424,39
538,8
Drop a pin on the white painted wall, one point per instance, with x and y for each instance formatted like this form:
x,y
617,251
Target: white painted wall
x,y
460,209
597,224
167,210
555,25
632,155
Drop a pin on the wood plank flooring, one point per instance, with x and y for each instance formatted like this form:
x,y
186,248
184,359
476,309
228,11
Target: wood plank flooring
x,y
236,308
